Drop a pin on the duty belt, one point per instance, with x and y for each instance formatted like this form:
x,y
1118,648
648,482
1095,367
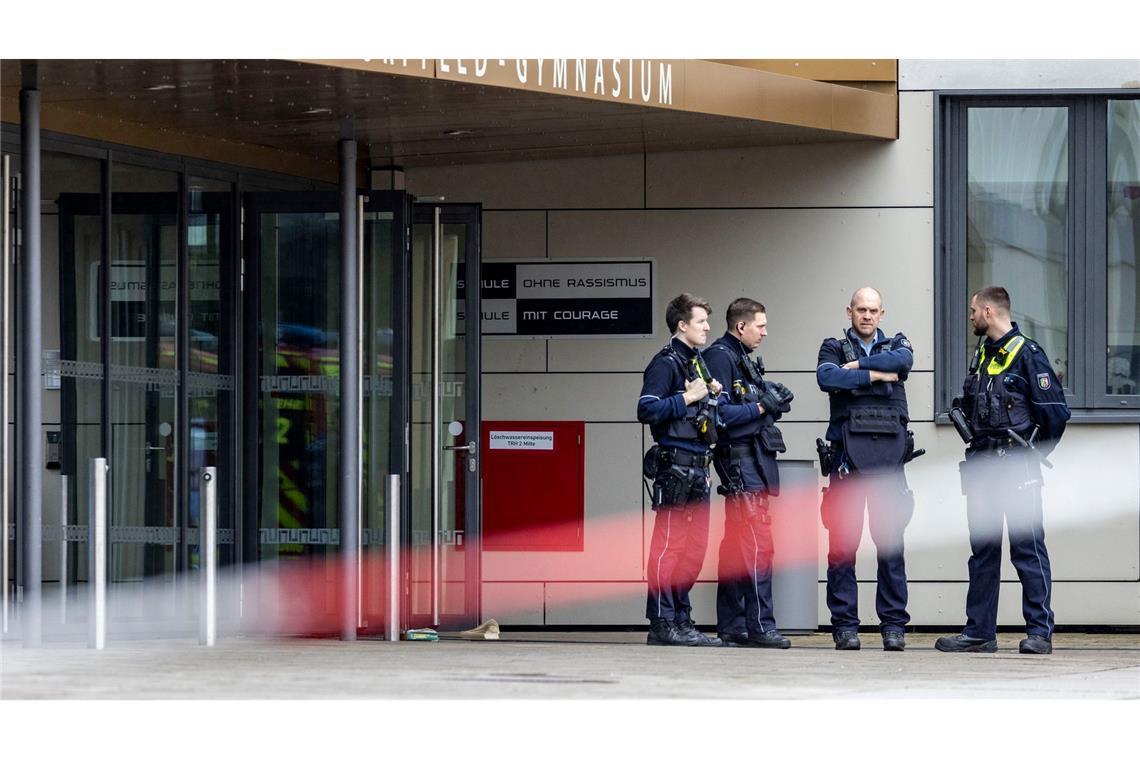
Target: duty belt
x,y
688,458
735,451
984,445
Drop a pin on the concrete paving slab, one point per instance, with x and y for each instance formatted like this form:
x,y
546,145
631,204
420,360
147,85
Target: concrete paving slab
x,y
579,665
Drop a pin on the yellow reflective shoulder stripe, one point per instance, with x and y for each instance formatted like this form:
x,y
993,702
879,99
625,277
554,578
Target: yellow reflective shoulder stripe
x,y
1005,356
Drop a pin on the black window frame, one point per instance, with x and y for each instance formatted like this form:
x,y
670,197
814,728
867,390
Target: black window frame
x,y
1087,301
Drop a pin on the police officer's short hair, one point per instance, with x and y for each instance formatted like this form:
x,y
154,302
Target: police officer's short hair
x,y
680,309
994,295
742,310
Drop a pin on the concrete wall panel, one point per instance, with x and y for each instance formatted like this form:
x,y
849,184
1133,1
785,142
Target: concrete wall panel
x,y
802,264
513,603
917,74
863,173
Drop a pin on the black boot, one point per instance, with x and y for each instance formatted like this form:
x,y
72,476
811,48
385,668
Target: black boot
x,y
769,640
1035,644
964,643
662,632
848,640
893,641
733,639
695,638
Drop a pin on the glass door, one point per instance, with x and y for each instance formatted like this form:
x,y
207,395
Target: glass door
x,y
293,452
167,410
444,514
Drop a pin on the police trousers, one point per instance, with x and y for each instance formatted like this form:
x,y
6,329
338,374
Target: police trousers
x,y
889,505
997,486
744,562
680,538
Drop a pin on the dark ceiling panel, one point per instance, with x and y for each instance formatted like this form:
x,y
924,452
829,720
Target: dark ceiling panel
x,y
297,107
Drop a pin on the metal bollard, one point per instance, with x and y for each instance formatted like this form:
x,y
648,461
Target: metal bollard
x,y
97,555
393,626
63,483
208,554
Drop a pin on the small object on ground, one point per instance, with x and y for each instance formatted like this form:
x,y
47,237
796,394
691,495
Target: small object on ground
x,y
421,634
488,631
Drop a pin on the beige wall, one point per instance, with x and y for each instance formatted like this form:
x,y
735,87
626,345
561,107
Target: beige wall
x,y
798,227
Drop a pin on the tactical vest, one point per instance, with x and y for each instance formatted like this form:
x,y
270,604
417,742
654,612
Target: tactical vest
x,y
749,389
684,428
995,400
873,420
873,396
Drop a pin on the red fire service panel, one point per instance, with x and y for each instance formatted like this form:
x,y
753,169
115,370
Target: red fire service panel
x,y
533,486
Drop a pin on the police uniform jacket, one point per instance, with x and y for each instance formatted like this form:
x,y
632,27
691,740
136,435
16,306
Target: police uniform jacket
x,y
662,405
879,408
740,417
1012,386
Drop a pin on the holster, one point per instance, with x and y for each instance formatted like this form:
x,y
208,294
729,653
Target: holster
x,y
749,507
728,457
828,457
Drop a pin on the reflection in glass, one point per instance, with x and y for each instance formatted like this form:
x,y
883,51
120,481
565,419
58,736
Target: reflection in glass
x,y
450,531
1017,218
72,228
299,331
211,378
376,409
1123,246
144,379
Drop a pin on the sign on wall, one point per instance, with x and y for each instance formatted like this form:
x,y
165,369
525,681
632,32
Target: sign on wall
x,y
566,298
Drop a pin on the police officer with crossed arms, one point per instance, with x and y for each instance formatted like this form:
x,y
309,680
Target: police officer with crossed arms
x,y
745,461
675,402
1011,413
863,373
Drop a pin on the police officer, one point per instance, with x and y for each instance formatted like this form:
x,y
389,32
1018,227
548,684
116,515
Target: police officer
x,y
864,373
675,403
1012,412
745,461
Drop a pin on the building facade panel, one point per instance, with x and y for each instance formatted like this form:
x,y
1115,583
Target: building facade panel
x,y
803,264
842,174
1031,74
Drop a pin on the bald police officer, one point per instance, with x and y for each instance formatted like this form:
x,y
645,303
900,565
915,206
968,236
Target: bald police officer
x,y
863,373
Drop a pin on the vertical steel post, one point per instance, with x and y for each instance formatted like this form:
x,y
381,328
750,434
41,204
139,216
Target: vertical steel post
x,y
436,406
393,625
208,557
349,390
30,393
362,358
97,555
6,370
63,484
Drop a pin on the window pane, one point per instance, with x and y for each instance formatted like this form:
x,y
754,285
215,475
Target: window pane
x,y
1017,218
1123,246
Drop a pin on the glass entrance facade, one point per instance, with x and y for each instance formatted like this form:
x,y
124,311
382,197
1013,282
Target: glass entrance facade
x,y
191,320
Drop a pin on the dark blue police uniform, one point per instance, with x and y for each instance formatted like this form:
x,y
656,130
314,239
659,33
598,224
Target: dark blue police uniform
x,y
680,488
745,461
868,432
1011,386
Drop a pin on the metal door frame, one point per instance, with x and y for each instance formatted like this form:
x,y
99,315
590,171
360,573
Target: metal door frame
x,y
318,201
469,214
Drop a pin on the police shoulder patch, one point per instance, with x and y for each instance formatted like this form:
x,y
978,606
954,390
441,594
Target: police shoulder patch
x,y
1043,381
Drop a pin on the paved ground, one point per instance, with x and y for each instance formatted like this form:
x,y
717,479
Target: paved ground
x,y
566,665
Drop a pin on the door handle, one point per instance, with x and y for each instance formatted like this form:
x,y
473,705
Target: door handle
x,y
148,447
469,448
